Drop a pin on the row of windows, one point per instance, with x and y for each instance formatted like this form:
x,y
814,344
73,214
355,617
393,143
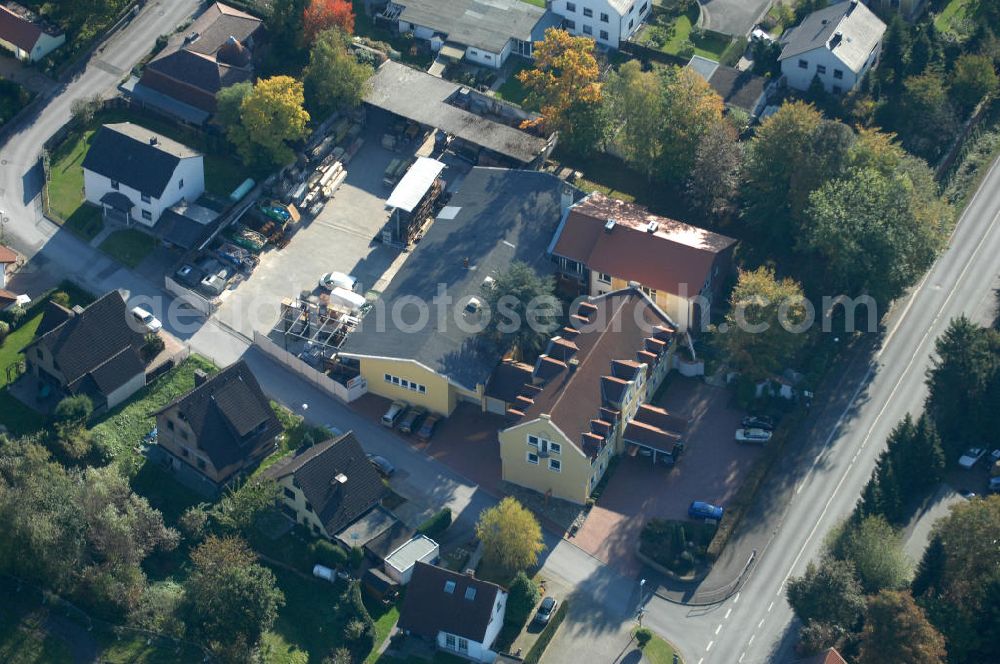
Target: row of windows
x,y
821,69
587,11
115,184
456,643
185,452
544,445
408,384
555,465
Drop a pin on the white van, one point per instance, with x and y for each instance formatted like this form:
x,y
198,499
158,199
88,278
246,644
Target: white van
x,y
345,299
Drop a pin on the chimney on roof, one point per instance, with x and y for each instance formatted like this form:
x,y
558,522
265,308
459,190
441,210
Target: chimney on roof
x,y
152,140
77,309
609,225
652,226
851,7
566,200
574,364
199,377
837,37
338,479
465,262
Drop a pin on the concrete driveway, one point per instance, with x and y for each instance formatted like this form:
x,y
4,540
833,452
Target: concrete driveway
x,y
711,469
732,17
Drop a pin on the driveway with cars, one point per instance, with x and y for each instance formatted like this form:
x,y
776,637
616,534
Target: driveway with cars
x,y
711,469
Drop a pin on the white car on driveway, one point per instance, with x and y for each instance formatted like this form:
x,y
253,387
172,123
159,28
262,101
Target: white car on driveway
x,y
332,280
759,436
147,320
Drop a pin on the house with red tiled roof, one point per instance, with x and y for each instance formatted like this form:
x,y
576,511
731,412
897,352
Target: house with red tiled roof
x,y
8,259
585,399
605,244
28,36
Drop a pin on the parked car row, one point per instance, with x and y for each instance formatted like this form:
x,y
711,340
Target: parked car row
x,y
411,419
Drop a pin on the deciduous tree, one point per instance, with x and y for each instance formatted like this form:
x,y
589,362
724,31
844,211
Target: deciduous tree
x,y
511,535
923,115
973,78
565,75
263,120
876,552
334,79
827,593
634,101
322,15
691,108
522,309
231,599
896,630
715,175
763,327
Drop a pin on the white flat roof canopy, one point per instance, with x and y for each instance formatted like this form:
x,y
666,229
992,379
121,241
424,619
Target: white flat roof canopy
x,y
409,553
415,184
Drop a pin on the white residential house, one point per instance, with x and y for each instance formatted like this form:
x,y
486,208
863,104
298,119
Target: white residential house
x,y
134,174
460,614
838,45
29,37
608,22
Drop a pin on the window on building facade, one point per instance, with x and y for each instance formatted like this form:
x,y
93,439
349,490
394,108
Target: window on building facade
x,y
604,18
555,448
532,458
533,441
603,277
820,69
570,25
147,215
803,64
463,645
555,465
115,185
571,6
604,35
145,198
588,12
450,641
289,494
201,463
180,185
645,6
587,30
838,73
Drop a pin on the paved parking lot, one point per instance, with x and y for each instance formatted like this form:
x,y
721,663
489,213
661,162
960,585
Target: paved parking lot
x,y
341,238
711,469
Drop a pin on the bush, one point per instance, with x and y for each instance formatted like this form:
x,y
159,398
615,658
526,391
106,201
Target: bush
x,y
194,522
360,630
74,410
61,298
436,525
535,654
522,596
4,331
328,554
152,346
643,635
13,316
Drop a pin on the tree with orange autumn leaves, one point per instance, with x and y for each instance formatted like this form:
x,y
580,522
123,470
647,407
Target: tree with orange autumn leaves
x,y
564,84
321,15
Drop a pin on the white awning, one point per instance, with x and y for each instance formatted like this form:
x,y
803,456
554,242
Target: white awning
x,y
415,184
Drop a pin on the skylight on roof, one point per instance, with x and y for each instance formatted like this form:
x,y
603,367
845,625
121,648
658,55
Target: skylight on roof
x,y
449,587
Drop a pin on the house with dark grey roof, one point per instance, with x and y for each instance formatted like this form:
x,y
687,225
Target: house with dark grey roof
x,y
461,614
220,429
497,216
485,32
134,174
585,399
484,129
329,486
738,89
837,45
215,52
28,36
605,244
95,351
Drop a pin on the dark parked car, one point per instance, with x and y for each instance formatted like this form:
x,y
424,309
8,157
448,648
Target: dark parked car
x,y
545,610
758,422
411,420
382,465
701,510
427,428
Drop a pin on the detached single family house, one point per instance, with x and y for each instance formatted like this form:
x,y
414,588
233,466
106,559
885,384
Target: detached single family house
x,y
607,22
328,486
604,244
461,614
96,351
220,429
837,45
214,52
8,259
29,37
584,399
497,217
484,32
134,174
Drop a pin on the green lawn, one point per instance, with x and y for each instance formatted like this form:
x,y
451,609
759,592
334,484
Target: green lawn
x,y
952,16
658,651
13,414
122,430
676,33
129,247
512,89
65,186
383,627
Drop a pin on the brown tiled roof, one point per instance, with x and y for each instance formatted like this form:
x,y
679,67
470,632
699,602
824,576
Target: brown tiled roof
x,y
508,380
660,418
650,436
7,297
675,253
573,398
7,255
429,609
18,31
613,389
829,656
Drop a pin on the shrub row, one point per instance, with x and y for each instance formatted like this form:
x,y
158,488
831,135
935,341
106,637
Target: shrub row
x,y
436,525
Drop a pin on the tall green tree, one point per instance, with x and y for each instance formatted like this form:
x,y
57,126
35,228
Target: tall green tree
x,y
827,593
896,630
923,115
871,234
764,326
715,175
264,121
511,536
634,101
973,78
334,79
231,599
523,309
691,108
875,549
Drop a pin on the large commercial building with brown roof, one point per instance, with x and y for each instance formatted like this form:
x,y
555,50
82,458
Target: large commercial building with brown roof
x,y
584,401
606,244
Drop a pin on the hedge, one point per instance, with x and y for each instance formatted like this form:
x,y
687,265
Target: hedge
x,y
535,654
328,554
436,525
